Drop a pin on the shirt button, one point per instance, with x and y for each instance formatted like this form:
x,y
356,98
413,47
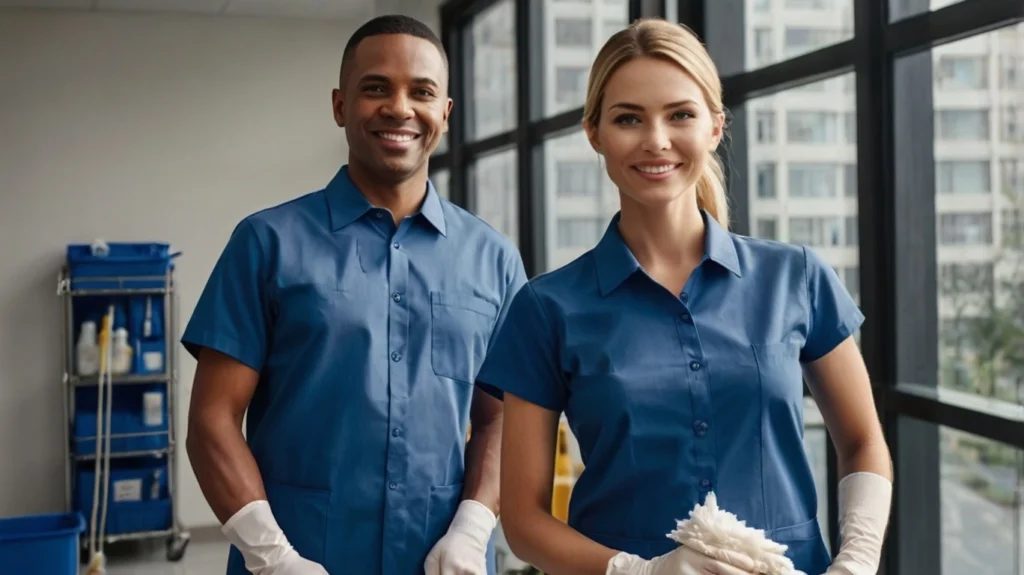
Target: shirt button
x,y
395,432
700,427
395,245
392,486
694,365
395,356
396,296
704,483
686,317
685,296
379,215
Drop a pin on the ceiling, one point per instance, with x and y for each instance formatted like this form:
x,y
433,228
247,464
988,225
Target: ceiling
x,y
350,10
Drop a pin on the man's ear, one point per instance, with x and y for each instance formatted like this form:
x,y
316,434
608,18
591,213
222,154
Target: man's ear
x,y
447,114
591,132
338,105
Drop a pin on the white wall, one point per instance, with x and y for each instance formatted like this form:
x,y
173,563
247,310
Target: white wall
x,y
138,128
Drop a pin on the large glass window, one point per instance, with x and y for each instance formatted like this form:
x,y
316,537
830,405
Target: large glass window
x,y
580,199
981,498
495,191
979,271
494,71
817,207
574,32
440,181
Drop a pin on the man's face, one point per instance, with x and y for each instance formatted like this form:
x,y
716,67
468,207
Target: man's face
x,y
393,104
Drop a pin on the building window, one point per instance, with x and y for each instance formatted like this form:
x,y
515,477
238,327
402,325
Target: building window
x,y
579,232
1011,76
961,125
574,32
820,231
577,179
962,177
1013,179
962,278
1013,227
850,180
813,180
766,180
765,126
570,84
763,52
767,228
802,40
811,127
965,229
961,73
1013,124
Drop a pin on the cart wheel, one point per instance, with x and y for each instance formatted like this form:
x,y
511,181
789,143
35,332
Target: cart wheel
x,y
176,547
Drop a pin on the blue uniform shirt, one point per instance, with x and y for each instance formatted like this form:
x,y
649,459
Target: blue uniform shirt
x,y
674,395
368,337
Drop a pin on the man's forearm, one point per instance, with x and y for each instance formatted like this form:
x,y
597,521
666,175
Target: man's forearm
x,y
224,466
483,463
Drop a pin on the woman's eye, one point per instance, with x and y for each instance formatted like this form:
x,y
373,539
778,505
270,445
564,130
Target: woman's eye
x,y
681,115
626,119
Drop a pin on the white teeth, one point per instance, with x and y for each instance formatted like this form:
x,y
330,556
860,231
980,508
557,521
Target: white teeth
x,y
396,137
656,169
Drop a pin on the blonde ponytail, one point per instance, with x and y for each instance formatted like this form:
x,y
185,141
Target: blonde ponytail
x,y
711,191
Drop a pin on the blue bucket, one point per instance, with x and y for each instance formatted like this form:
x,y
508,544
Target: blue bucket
x,y
41,544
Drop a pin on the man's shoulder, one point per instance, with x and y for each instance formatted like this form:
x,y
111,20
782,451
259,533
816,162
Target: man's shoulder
x,y
465,226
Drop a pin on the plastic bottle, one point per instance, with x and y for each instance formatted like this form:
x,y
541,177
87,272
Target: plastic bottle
x,y
121,354
87,352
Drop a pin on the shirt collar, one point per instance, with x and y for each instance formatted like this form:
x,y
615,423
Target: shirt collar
x,y
615,262
346,204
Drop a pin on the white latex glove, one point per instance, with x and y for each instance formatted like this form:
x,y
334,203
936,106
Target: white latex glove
x,y
463,550
681,561
255,532
864,501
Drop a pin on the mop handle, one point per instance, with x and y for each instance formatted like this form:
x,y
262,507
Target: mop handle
x,y
106,438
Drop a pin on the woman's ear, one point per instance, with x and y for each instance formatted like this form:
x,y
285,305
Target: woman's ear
x,y
591,132
717,129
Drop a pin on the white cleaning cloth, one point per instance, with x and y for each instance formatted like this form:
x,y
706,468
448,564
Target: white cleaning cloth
x,y
723,536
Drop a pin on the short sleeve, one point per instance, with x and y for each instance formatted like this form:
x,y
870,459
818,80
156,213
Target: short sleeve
x,y
232,314
515,279
523,359
834,315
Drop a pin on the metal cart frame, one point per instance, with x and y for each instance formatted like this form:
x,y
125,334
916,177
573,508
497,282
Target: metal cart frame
x,y
177,538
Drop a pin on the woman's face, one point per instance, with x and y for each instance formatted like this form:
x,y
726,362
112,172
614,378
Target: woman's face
x,y
655,131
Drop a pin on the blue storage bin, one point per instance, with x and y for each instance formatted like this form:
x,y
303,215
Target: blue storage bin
x,y
127,265
130,413
137,497
41,544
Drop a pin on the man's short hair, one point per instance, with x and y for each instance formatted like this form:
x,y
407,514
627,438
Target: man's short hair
x,y
390,24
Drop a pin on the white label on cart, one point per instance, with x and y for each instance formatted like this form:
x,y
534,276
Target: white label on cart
x,y
153,404
128,490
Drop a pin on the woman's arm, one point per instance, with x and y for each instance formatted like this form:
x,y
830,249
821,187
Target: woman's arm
x,y
527,476
840,385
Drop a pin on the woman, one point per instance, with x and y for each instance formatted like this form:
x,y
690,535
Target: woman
x,y
677,351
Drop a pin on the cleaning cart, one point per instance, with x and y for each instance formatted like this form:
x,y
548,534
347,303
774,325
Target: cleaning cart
x,y
120,384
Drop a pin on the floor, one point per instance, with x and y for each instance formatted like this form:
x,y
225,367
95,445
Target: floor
x,y
206,554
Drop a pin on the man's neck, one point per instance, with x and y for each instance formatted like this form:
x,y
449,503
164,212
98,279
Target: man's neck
x,y
402,197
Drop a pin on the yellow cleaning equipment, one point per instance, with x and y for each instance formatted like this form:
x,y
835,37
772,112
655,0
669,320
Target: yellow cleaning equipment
x,y
97,562
562,489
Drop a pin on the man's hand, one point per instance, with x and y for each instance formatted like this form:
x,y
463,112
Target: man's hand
x,y
254,531
463,550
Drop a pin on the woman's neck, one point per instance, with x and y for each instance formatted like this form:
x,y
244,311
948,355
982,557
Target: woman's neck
x,y
664,237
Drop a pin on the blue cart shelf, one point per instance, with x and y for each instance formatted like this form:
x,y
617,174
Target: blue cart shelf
x,y
137,280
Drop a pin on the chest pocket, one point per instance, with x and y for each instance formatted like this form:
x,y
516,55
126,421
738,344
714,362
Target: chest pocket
x,y
460,328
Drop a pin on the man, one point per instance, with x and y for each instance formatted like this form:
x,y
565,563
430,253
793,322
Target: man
x,y
350,323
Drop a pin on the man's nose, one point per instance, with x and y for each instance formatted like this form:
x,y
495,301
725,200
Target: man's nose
x,y
398,107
